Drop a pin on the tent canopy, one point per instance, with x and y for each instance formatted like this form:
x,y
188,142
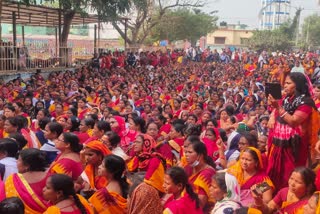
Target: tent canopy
x,y
36,15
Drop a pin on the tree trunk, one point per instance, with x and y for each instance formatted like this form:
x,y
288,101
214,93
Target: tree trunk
x,y
67,20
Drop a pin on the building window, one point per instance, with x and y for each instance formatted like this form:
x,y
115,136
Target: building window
x,y
219,40
244,41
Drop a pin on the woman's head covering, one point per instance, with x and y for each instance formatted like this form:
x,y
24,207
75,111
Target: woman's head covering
x,y
237,171
98,146
232,143
259,156
233,140
233,188
148,143
122,125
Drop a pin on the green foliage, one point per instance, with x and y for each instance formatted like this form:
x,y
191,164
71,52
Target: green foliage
x,y
278,39
106,9
289,28
270,40
183,24
311,31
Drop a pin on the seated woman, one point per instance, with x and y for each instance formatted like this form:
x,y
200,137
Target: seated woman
x,y
8,151
112,141
85,129
163,148
29,182
183,199
209,139
225,121
59,191
82,108
68,161
249,171
176,139
11,125
290,199
145,197
145,156
94,152
127,136
99,129
112,198
225,191
247,139
229,154
200,170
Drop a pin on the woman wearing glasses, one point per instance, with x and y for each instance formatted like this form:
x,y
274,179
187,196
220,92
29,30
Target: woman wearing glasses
x,y
68,161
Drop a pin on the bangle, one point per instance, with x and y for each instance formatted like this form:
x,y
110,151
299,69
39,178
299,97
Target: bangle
x,y
284,114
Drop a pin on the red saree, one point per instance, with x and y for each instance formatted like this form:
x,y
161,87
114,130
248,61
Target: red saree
x,y
82,113
66,166
95,181
17,186
288,207
181,206
288,147
201,181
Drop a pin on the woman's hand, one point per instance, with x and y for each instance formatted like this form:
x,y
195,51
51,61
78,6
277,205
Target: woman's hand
x,y
273,102
258,200
220,145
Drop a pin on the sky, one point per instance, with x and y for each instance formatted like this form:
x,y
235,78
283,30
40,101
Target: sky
x,y
246,11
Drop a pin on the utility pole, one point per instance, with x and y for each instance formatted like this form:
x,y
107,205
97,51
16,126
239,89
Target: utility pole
x,y
0,21
298,26
307,36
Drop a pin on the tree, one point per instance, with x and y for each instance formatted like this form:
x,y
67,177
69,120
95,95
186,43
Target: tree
x,y
270,40
106,9
311,31
183,24
290,27
147,14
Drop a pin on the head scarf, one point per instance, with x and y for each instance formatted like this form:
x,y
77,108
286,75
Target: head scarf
x,y
237,171
233,188
231,202
122,125
258,153
98,146
232,143
148,143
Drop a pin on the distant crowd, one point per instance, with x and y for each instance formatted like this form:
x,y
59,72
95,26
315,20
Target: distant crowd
x,y
164,132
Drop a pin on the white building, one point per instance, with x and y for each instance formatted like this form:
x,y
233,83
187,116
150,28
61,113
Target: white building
x,y
273,13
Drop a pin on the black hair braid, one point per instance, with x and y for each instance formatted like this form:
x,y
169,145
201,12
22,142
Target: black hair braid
x,y
192,195
79,204
118,176
124,186
210,162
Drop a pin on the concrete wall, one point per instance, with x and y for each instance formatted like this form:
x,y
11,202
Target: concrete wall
x,y
232,36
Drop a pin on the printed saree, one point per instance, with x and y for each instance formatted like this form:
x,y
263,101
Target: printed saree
x,y
17,186
106,202
66,166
